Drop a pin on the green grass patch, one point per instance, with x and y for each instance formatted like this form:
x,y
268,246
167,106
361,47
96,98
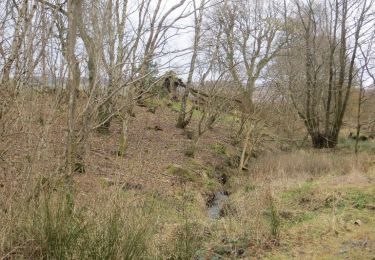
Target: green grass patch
x,y
298,193
359,198
176,106
219,148
363,146
229,118
250,188
181,172
154,102
292,219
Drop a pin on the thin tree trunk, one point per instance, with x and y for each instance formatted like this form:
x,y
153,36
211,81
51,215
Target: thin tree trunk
x,y
183,121
71,163
244,148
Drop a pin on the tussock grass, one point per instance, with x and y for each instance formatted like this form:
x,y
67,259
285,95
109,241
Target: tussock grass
x,y
307,163
53,226
59,223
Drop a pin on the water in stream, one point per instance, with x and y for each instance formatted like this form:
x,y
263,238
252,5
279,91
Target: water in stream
x,y
217,204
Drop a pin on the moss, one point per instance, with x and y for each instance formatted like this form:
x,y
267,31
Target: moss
x,y
219,148
179,171
122,146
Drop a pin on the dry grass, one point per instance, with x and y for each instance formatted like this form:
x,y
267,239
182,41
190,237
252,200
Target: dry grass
x,y
306,163
142,205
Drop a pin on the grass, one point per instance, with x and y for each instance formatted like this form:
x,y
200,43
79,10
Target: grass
x,y
176,106
190,151
363,146
55,227
230,118
60,225
359,198
317,197
181,172
299,193
219,148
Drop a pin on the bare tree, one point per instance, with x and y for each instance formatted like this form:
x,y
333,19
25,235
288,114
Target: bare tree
x,y
251,38
21,24
328,53
366,81
183,119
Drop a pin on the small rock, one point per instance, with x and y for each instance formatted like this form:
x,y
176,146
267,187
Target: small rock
x,y
358,222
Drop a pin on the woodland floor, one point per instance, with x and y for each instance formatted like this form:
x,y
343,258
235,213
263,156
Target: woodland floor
x,y
324,200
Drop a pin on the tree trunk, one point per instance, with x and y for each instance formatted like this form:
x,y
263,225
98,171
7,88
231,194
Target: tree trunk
x,y
321,141
183,120
245,148
71,163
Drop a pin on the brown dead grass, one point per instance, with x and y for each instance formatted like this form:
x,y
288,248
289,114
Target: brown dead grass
x,y
32,147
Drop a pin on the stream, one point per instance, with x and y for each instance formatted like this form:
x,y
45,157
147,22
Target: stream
x,y
216,204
